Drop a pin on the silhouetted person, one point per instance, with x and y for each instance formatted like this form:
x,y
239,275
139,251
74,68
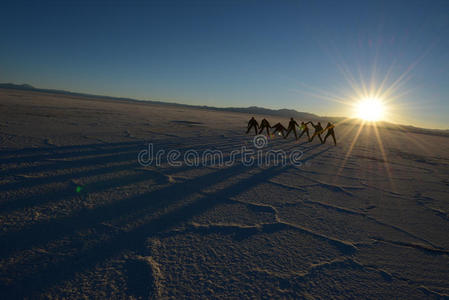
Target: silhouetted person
x,y
318,131
330,131
305,129
253,123
292,127
265,125
279,128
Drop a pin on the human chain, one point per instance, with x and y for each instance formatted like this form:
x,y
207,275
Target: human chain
x,y
281,130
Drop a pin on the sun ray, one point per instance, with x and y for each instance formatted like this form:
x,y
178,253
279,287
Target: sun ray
x,y
348,153
384,81
414,141
374,102
405,76
337,58
362,81
322,96
350,80
347,122
384,157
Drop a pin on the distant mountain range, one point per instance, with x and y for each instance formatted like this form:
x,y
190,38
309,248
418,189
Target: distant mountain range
x,y
248,110
17,86
252,110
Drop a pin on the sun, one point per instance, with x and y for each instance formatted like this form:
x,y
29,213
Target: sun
x,y
370,109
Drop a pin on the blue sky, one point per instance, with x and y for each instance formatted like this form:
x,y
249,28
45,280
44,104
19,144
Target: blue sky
x,y
277,54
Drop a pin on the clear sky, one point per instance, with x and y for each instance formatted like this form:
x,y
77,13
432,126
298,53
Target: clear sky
x,y
306,55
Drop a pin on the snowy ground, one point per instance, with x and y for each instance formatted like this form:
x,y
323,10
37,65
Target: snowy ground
x,y
80,217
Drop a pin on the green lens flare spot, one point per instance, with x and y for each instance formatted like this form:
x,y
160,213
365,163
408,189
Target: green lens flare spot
x,y
79,189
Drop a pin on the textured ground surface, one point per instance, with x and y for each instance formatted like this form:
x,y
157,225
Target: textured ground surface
x,y
80,217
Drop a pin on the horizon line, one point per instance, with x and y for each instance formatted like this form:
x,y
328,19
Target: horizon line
x,y
29,87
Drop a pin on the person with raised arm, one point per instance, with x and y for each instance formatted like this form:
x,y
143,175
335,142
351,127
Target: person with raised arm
x,y
305,129
265,125
279,128
252,123
318,131
330,132
292,127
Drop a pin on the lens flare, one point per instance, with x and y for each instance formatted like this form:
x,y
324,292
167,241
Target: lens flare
x,y
370,109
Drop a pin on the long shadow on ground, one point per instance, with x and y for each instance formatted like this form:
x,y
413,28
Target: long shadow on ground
x,y
47,275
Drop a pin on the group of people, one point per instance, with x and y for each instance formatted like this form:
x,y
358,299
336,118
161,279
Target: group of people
x,y
280,129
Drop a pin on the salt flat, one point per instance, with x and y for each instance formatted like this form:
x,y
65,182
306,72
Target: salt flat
x,y
82,217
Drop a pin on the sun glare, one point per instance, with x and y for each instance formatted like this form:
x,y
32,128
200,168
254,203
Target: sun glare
x,y
370,109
